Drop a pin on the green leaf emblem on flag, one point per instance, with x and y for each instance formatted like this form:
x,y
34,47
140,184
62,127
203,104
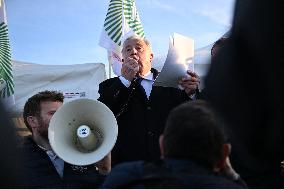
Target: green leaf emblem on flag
x,y
6,77
117,11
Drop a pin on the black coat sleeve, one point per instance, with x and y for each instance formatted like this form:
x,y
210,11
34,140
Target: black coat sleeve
x,y
114,94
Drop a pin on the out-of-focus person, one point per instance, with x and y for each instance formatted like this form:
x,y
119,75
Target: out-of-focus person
x,y
245,84
195,154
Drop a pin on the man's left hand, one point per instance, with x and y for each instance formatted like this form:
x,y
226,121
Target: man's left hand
x,y
190,83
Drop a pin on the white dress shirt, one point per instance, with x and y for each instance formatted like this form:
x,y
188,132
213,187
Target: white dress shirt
x,y
146,83
57,162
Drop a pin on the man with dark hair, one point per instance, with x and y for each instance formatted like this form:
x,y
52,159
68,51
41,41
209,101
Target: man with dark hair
x,y
141,108
33,107
195,155
198,137
42,168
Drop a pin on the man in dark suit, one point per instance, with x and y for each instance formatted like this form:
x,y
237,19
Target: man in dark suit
x,y
141,108
195,155
42,168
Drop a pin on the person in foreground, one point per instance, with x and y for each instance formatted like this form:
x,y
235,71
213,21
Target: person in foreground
x,y
10,160
141,108
217,46
245,85
42,168
194,155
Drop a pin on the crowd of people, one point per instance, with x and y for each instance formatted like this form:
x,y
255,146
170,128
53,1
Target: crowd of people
x,y
229,135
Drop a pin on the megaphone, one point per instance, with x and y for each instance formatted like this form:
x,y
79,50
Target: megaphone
x,y
82,131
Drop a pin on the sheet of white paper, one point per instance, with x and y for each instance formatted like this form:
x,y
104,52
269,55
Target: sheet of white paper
x,y
179,60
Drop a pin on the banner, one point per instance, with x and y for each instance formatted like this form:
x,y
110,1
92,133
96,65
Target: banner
x,y
122,21
72,80
6,77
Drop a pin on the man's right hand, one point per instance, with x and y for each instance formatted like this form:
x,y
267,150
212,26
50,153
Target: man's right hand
x,y
104,165
130,68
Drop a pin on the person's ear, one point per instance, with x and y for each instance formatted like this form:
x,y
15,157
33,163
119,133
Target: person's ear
x,y
33,122
226,150
151,57
161,144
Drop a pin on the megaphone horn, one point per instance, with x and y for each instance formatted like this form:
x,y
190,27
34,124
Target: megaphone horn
x,y
83,131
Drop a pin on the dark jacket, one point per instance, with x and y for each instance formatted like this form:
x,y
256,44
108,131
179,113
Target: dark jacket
x,y
245,84
140,120
39,172
170,173
10,159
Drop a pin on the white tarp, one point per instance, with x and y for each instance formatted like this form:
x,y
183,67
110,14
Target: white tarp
x,y
75,81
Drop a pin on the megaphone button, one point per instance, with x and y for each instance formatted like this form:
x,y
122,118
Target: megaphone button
x,y
83,131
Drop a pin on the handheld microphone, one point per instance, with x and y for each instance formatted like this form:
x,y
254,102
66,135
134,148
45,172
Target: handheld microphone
x,y
135,79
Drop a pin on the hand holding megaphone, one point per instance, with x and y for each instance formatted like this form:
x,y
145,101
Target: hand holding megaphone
x,y
104,165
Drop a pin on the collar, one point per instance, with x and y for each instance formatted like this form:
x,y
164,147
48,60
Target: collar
x,y
43,148
186,164
50,153
148,76
155,73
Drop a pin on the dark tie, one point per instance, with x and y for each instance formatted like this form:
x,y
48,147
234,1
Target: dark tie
x,y
138,81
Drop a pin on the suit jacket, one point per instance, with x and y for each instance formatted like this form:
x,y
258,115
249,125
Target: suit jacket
x,y
140,120
39,171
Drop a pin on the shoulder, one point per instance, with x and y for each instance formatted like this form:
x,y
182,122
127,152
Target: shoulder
x,y
123,173
110,82
26,143
31,154
134,167
209,181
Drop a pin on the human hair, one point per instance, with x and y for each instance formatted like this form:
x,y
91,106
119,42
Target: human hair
x,y
32,106
219,43
194,132
138,38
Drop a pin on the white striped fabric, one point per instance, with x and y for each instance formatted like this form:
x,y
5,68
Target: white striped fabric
x,y
6,76
122,20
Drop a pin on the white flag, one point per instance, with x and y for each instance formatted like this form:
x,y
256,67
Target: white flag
x,y
6,77
122,21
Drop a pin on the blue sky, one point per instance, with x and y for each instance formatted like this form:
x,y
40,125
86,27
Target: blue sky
x,y
68,31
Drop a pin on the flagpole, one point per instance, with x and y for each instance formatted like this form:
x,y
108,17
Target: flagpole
x,y
109,66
